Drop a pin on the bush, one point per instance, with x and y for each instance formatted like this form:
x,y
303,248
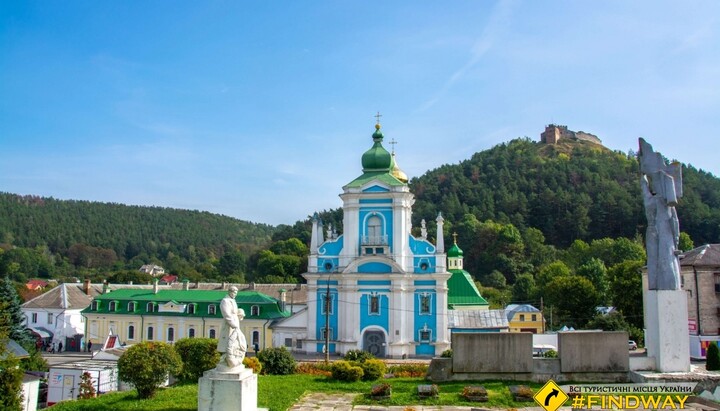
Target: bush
x,y
358,355
373,369
147,365
277,361
446,354
312,368
344,371
550,354
408,370
254,363
198,355
712,357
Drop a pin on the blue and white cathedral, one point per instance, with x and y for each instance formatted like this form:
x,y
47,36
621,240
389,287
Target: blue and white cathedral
x,y
387,290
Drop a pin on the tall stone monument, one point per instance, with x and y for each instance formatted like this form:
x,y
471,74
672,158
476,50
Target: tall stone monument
x,y
229,386
666,316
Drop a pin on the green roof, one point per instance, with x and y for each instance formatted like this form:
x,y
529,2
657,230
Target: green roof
x,y
462,290
454,251
202,299
382,176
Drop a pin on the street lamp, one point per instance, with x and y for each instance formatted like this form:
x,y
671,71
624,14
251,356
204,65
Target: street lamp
x,y
327,321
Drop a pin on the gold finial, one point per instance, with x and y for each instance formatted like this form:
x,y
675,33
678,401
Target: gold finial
x,y
377,116
392,143
455,238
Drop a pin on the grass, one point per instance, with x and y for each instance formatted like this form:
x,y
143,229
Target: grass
x,y
279,393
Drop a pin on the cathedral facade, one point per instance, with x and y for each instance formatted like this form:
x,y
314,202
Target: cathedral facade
x,y
376,287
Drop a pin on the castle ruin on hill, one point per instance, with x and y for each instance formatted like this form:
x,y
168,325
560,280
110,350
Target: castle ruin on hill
x,y
554,133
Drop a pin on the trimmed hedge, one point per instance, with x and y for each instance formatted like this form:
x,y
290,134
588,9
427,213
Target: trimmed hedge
x,y
198,355
345,371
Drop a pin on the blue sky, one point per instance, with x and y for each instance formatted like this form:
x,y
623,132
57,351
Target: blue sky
x,y
261,110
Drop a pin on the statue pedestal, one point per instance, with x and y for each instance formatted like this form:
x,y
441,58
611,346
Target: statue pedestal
x,y
666,330
226,391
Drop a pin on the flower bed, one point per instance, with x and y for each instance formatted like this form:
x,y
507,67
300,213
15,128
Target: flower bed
x,y
381,391
428,391
476,393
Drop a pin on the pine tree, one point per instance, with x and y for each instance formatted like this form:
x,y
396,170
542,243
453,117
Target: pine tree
x,y
15,326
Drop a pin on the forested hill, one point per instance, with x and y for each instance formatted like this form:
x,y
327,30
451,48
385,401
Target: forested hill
x,y
570,190
134,234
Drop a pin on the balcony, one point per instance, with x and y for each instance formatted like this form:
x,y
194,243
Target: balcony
x,y
374,240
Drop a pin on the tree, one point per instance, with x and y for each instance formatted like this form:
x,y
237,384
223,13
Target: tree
x,y
685,243
11,374
232,263
573,298
147,365
626,290
595,271
86,389
524,288
198,355
615,322
16,329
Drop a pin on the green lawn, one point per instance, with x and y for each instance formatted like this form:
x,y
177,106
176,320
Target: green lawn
x,y
279,393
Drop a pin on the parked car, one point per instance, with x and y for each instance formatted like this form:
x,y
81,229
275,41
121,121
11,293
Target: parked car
x,y
632,345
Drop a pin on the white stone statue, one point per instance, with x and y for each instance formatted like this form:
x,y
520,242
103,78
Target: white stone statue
x,y
661,185
232,344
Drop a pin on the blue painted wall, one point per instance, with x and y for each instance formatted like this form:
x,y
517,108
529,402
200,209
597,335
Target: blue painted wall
x,y
430,319
381,320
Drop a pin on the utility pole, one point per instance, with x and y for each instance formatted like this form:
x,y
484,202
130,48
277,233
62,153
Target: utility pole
x,y
327,322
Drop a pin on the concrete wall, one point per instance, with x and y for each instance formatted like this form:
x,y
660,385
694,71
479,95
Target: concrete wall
x,y
601,351
493,352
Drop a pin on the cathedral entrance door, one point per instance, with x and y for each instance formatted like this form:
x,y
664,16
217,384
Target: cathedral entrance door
x,y
374,343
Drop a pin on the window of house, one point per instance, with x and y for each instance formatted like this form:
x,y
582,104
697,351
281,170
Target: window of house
x,y
425,303
50,318
255,310
95,305
255,337
131,306
374,230
131,332
34,318
171,334
298,343
288,342
522,317
150,333
374,305
212,333
534,317
211,309
326,300
112,305
150,307
191,333
191,308
425,334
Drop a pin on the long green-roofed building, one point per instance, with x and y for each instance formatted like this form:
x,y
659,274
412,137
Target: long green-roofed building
x,y
136,315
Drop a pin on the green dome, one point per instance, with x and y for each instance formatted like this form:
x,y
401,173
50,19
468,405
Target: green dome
x,y
454,251
377,158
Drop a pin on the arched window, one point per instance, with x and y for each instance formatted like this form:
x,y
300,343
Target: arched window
x,y
131,332
150,307
211,309
112,306
150,335
212,333
191,308
255,310
191,333
374,230
256,337
95,305
171,334
131,306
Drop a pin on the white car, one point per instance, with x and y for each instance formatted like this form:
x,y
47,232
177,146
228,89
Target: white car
x,y
632,345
